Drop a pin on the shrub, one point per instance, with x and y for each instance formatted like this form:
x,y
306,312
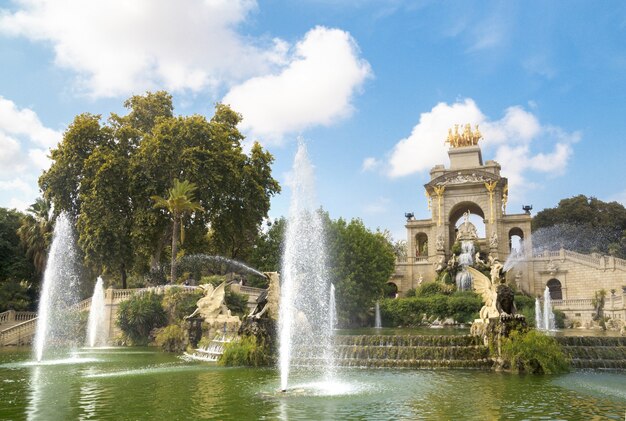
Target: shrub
x,y
524,301
245,352
428,289
236,303
410,293
171,338
179,303
139,315
534,352
461,306
559,319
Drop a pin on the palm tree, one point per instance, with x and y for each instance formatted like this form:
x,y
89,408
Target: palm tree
x,y
36,232
180,201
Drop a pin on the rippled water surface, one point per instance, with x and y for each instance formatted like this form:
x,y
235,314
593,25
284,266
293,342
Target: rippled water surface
x,y
144,384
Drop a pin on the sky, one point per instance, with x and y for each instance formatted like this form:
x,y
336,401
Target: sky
x,y
371,86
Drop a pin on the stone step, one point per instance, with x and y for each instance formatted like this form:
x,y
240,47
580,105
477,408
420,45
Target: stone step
x,y
407,340
482,363
606,364
596,352
412,352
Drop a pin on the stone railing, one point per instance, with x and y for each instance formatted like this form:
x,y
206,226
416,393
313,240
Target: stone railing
x,y
581,303
594,260
19,334
12,316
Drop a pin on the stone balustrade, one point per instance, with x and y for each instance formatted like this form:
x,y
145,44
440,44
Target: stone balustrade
x,y
20,334
12,316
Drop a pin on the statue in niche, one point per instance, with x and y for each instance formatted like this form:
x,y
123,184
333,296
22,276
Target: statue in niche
x,y
439,243
467,230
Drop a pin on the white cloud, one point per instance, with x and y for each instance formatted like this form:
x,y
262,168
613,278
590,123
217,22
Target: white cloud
x,y
315,88
24,145
370,164
424,147
518,141
119,47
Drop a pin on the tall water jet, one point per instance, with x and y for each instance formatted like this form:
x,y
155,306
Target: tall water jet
x,y
333,308
548,315
377,322
304,325
96,333
55,323
538,314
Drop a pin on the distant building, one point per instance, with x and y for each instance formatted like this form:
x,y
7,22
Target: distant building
x,y
468,201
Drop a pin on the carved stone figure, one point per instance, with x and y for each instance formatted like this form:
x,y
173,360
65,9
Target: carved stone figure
x,y
487,290
439,243
441,264
467,230
212,308
493,241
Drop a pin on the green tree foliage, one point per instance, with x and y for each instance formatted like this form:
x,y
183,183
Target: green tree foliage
x,y
139,315
17,272
361,262
268,248
584,224
104,175
35,233
179,203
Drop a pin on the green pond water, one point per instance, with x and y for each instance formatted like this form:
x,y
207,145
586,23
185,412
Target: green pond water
x,y
145,384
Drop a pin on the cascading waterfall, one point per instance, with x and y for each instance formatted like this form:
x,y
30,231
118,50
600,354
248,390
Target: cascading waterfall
x,y
538,314
59,292
377,322
96,334
466,258
304,314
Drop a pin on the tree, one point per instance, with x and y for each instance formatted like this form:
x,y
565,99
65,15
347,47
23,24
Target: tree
x,y
268,248
35,233
237,227
179,202
17,272
104,175
583,224
361,264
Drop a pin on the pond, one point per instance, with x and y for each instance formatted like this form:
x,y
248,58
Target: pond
x,y
146,384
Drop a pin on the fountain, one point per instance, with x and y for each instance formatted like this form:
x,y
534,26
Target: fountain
x,y
545,321
55,323
304,314
538,314
333,308
96,328
377,322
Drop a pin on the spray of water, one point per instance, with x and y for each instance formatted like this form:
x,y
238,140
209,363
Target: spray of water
x,y
377,322
55,322
304,314
96,333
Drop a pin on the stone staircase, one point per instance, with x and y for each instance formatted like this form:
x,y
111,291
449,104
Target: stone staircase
x,y
419,351
595,352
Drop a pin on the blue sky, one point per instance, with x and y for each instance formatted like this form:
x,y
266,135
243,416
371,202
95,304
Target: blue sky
x,y
372,86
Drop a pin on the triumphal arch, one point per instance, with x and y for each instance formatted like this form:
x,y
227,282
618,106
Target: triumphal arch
x,y
468,187
468,205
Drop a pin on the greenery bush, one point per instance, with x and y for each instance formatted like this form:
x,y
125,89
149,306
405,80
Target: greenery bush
x,y
139,315
245,352
463,307
559,319
534,352
171,338
179,303
236,303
